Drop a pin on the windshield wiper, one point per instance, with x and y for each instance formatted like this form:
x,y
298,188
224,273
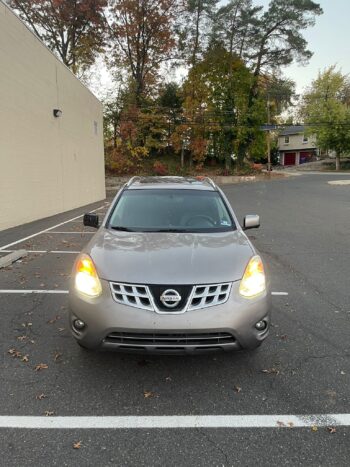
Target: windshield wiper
x,y
121,228
171,230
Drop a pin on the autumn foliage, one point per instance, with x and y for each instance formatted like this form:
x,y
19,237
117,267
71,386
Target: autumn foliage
x,y
195,80
74,29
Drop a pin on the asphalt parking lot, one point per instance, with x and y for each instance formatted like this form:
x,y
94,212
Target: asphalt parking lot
x,y
303,369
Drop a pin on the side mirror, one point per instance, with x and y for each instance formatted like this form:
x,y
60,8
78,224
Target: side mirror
x,y
91,220
251,221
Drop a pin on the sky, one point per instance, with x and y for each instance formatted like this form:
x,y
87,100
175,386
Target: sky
x,y
329,40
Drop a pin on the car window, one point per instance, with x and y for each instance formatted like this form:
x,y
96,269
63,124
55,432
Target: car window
x,y
171,210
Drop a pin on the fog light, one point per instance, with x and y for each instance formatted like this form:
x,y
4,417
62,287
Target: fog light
x,y
79,324
261,325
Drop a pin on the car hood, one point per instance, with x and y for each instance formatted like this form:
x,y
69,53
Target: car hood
x,y
170,258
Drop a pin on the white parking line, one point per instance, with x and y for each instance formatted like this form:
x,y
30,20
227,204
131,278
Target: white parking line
x,y
65,252
19,291
69,252
73,232
279,293
28,251
176,421
45,230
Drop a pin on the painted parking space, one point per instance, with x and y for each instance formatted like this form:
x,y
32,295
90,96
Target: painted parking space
x,y
222,384
77,219
302,371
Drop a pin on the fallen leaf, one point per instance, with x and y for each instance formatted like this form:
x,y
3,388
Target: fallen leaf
x,y
237,388
14,353
53,320
77,445
25,358
271,371
281,424
283,337
41,366
57,356
41,396
25,325
48,413
314,428
290,424
22,338
332,429
148,394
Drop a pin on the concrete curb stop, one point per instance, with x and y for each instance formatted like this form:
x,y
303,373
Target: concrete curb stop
x,y
12,257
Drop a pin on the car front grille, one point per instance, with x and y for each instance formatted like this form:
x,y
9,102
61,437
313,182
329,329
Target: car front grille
x,y
170,341
137,296
147,297
204,296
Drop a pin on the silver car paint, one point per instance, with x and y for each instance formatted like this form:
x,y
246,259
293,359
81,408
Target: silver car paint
x,y
170,258
103,316
174,259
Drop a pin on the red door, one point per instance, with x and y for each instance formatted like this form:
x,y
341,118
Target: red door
x,y
289,158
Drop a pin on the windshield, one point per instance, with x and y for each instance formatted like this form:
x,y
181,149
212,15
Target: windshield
x,y
166,210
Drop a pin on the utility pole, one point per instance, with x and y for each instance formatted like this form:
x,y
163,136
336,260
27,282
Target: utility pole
x,y
268,135
183,153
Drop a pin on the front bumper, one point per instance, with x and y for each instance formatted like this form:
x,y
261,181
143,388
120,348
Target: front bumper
x,y
113,326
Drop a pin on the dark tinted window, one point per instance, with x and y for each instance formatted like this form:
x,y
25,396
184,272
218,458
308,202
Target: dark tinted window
x,y
166,209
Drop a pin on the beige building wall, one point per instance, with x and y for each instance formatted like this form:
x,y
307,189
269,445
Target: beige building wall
x,y
48,165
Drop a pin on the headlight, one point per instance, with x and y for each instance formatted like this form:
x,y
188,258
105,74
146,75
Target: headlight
x,y
86,278
253,281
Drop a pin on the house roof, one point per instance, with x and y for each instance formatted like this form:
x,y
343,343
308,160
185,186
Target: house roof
x,y
292,130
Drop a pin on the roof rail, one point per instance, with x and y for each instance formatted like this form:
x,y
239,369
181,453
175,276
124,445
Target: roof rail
x,y
132,180
210,181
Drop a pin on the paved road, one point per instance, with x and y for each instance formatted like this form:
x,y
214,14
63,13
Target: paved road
x,y
305,239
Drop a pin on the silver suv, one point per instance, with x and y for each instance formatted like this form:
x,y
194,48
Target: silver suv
x,y
169,270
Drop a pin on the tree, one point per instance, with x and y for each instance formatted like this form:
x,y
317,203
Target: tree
x,y
73,29
170,102
326,110
275,40
112,109
216,111
142,38
234,23
194,28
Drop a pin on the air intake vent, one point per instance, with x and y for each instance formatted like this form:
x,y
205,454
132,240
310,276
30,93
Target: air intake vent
x,y
170,340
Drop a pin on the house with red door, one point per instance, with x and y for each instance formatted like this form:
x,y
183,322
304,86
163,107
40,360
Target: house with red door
x,y
295,146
